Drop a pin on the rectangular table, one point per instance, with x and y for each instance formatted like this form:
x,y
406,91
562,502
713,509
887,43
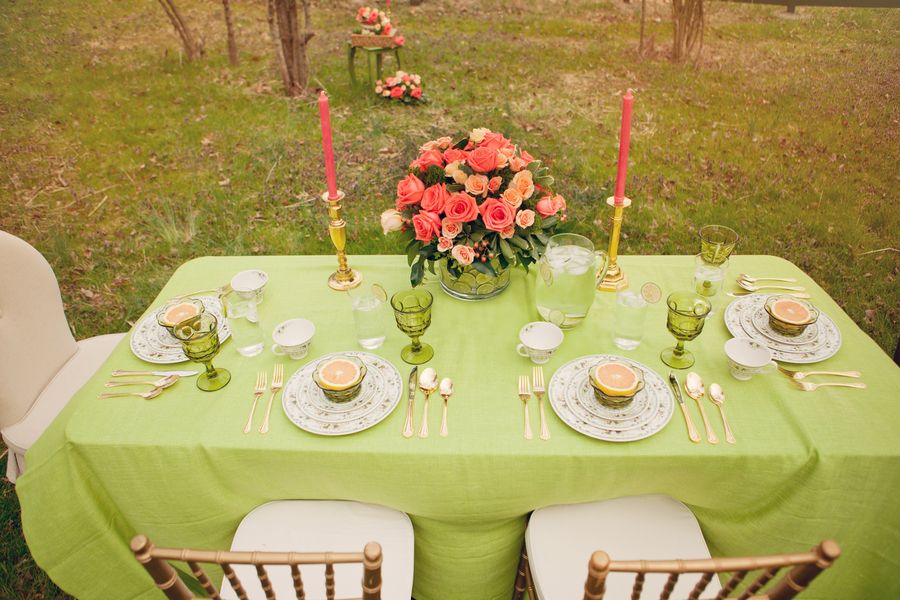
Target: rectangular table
x,y
806,466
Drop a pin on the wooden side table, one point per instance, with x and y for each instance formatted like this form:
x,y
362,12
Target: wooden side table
x,y
374,47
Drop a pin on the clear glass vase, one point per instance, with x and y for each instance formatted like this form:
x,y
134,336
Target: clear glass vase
x,y
472,284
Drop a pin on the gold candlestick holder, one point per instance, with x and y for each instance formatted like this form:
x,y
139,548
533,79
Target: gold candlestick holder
x,y
615,278
344,278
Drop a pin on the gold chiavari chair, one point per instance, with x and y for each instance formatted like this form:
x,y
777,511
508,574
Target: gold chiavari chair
x,y
648,531
276,553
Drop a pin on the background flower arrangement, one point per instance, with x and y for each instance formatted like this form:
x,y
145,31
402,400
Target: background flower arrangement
x,y
481,203
402,87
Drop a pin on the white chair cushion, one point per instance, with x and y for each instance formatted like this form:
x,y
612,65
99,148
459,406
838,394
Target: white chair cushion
x,y
20,436
561,539
325,526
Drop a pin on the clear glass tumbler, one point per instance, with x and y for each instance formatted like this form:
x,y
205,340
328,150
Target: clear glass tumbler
x,y
630,313
242,315
369,315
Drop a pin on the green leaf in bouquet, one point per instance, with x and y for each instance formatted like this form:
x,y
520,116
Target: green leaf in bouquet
x,y
535,253
506,250
545,181
455,187
504,264
519,241
461,143
453,268
417,272
484,267
549,222
541,237
477,236
412,250
533,166
408,235
433,175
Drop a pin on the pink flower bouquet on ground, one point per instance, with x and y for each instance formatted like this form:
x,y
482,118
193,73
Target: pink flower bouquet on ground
x,y
402,87
481,203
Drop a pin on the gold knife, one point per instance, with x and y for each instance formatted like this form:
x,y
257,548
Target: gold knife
x,y
692,431
408,427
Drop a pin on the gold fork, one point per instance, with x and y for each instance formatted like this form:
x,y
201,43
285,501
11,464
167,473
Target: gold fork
x,y
277,383
258,391
524,396
537,384
804,374
811,387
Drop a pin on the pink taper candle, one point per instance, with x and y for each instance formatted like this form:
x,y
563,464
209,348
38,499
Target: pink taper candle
x,y
624,140
325,119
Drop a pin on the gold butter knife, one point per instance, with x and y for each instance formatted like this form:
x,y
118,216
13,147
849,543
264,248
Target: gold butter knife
x,y
408,427
692,431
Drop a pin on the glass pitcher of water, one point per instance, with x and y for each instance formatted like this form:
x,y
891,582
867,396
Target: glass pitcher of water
x,y
568,274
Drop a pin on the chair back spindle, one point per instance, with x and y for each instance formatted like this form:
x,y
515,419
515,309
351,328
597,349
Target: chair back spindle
x,y
235,582
205,583
298,582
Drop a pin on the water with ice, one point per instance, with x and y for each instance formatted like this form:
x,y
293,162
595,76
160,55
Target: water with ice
x,y
631,310
566,284
243,321
368,315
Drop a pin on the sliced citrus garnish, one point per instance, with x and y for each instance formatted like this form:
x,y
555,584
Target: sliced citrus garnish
x,y
651,293
179,313
615,379
379,292
338,374
791,311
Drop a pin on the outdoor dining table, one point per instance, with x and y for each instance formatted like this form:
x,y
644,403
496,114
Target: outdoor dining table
x,y
806,466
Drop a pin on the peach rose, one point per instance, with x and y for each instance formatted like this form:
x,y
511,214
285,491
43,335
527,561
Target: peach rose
x,y
460,177
477,185
391,220
450,229
427,225
494,183
435,197
464,255
427,158
508,232
438,144
525,218
512,196
496,214
482,159
444,244
455,154
523,182
546,207
476,136
461,208
516,164
409,190
451,168
502,161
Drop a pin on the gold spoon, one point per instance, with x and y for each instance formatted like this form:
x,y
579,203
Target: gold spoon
x,y
693,385
163,383
717,397
428,382
446,392
145,395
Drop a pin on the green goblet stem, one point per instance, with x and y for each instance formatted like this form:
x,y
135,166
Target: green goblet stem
x,y
211,372
416,344
678,351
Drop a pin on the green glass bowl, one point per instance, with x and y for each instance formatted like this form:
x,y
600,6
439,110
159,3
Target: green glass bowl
x,y
345,394
615,401
787,328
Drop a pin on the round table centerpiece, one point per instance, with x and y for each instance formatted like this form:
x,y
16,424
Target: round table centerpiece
x,y
476,207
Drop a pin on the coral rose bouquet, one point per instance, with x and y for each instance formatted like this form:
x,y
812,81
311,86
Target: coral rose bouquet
x,y
377,22
402,87
482,203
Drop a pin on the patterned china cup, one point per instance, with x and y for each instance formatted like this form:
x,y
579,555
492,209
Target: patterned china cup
x,y
790,316
539,340
340,377
747,358
250,284
615,400
292,338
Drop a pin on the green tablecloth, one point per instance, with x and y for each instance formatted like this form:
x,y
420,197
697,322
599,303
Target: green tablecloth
x,y
807,466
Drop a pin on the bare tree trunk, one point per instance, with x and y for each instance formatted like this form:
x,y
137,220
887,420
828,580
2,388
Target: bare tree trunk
x,y
643,20
292,46
191,47
229,26
276,43
687,23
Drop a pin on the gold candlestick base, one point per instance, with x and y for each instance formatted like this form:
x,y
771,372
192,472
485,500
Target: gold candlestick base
x,y
615,278
344,278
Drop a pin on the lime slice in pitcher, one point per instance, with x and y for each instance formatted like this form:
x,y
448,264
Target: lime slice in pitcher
x,y
651,293
379,292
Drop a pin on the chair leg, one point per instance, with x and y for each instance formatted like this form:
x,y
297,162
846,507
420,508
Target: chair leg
x,y
379,62
370,60
524,582
351,64
399,66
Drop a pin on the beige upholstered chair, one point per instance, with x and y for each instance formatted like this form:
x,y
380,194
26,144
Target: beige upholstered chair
x,y
643,534
277,552
41,364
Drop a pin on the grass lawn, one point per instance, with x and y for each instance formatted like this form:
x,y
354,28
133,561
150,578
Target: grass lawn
x,y
119,162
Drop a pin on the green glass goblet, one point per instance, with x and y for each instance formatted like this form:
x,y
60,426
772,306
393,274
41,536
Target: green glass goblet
x,y
199,337
412,310
687,315
717,242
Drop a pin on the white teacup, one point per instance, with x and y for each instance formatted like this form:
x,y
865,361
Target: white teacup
x,y
539,340
292,338
250,284
748,358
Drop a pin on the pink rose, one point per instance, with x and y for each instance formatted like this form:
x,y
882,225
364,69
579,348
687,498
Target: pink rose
x,y
477,185
409,191
399,40
444,244
559,203
525,156
416,93
494,183
494,141
512,196
427,158
427,225
461,208
450,229
496,214
434,198
386,30
508,232
396,92
525,218
546,207
464,255
455,154
482,159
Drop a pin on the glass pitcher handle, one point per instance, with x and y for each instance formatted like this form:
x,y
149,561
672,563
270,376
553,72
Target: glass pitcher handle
x,y
604,266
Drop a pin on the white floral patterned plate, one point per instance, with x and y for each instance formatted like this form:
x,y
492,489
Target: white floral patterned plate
x,y
306,406
572,399
153,344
